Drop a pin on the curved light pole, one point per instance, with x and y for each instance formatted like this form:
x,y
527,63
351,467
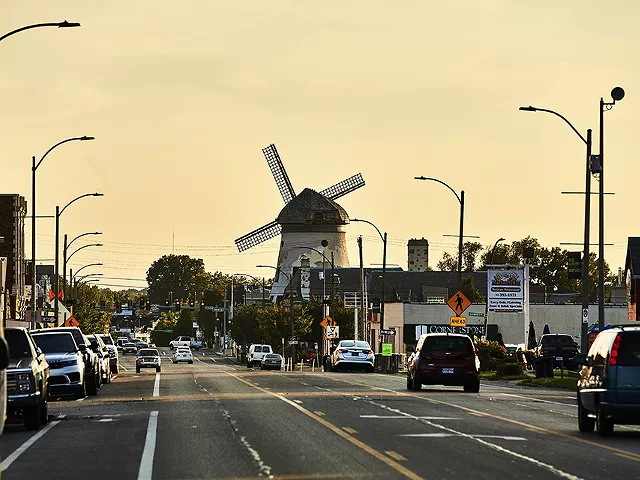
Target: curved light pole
x,y
384,266
461,201
486,307
34,167
293,347
64,24
72,277
64,254
57,255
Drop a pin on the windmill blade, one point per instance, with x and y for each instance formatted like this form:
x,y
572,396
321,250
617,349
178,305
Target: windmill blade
x,y
279,173
259,235
340,189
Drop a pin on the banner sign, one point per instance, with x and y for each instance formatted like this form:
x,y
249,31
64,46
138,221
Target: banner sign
x,y
477,330
506,290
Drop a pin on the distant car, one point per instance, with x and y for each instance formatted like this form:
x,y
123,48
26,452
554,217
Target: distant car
x,y
148,358
559,346
182,354
66,363
129,347
256,353
182,341
609,382
444,359
113,351
98,346
27,379
271,361
195,344
352,355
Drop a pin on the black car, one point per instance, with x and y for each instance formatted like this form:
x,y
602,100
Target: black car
x,y
609,383
27,379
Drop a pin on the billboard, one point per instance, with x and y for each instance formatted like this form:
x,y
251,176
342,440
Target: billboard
x,y
506,290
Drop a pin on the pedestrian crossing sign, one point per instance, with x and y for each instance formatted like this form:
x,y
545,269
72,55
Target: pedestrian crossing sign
x,y
458,303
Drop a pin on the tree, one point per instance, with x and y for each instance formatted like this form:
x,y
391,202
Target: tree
x,y
177,276
470,252
86,312
184,325
244,326
470,291
274,323
167,321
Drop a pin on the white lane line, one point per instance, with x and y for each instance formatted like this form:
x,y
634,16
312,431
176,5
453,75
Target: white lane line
x,y
540,400
214,360
405,417
443,435
156,386
198,359
124,368
6,463
146,462
81,399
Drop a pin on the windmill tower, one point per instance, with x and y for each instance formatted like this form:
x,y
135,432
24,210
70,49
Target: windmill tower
x,y
311,219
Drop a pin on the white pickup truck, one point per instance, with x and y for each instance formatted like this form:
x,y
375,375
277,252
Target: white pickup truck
x,y
185,342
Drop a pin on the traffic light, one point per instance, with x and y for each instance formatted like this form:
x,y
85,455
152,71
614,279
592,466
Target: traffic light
x,y
192,302
202,309
148,304
141,303
176,305
166,302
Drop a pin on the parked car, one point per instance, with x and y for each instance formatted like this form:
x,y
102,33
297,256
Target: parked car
x,y
148,358
98,346
182,341
120,342
256,352
182,354
444,359
91,363
113,351
4,363
271,361
66,361
27,379
129,347
559,346
609,382
352,355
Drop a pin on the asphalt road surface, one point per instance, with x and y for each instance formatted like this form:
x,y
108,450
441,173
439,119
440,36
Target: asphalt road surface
x,y
216,419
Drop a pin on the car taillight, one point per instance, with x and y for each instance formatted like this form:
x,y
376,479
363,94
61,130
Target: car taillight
x,y
368,352
613,356
541,350
342,351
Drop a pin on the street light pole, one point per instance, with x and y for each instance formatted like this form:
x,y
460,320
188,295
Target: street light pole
x,y
65,248
34,167
461,235
57,253
64,24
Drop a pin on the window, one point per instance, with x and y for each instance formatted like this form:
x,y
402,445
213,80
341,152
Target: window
x,y
441,345
257,349
629,351
18,343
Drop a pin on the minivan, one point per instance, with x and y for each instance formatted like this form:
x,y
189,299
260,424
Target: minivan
x,y
444,359
609,382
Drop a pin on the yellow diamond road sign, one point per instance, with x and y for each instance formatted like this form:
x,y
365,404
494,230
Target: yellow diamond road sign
x,y
458,303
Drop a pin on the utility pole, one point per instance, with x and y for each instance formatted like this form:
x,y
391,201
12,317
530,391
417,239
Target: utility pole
x,y
362,302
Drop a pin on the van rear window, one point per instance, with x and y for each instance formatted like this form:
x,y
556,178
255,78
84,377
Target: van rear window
x,y
257,349
629,351
448,344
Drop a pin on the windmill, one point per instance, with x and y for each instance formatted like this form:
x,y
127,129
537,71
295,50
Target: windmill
x,y
311,219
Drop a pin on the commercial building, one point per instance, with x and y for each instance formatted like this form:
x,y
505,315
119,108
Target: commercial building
x,y
13,210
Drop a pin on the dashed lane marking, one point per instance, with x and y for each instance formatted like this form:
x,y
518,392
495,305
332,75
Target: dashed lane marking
x,y
146,462
405,417
465,435
156,386
23,448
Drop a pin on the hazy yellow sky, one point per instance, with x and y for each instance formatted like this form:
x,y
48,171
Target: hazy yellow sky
x,y
182,96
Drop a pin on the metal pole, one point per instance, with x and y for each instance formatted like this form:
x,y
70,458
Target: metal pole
x,y
64,267
362,311
460,239
224,326
601,224
57,261
34,289
293,347
585,254
262,292
332,277
384,273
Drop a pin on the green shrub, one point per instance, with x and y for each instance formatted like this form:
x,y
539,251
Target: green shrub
x,y
509,369
489,354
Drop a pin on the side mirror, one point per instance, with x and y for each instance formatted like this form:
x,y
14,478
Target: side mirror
x,y
82,347
4,354
583,360
39,351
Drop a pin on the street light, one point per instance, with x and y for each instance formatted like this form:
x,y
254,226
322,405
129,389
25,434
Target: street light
x,y
64,24
57,255
486,307
71,277
461,201
293,347
86,246
64,254
34,167
384,266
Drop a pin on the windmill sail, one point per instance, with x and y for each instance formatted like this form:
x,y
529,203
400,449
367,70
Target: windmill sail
x,y
279,173
340,189
259,235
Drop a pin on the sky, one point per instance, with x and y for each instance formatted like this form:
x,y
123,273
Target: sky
x,y
182,97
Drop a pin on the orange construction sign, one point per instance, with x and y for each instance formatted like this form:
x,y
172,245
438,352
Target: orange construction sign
x,y
458,303
71,322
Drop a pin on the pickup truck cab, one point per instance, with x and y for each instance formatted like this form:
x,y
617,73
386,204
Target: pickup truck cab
x,y
180,342
561,347
27,379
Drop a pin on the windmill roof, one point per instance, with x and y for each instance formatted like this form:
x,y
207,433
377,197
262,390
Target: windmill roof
x,y
310,207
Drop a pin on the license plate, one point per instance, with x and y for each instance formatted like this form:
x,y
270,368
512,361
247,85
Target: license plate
x,y
447,370
559,359
355,354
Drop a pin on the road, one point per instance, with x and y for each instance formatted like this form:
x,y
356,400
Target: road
x,y
219,420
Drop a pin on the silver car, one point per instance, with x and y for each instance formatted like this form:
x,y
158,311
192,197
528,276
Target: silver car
x,y
352,355
66,364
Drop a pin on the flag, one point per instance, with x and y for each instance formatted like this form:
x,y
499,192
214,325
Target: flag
x,y
51,295
61,294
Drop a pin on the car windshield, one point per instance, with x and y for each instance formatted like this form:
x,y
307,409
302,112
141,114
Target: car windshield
x,y
18,343
77,335
129,344
148,352
107,339
55,342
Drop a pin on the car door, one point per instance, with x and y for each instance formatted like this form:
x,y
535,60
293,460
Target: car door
x,y
592,374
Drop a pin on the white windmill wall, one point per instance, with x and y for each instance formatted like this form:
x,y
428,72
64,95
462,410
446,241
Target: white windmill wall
x,y
291,253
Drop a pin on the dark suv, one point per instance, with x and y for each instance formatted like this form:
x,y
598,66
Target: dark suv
x,y
444,359
27,379
91,360
609,383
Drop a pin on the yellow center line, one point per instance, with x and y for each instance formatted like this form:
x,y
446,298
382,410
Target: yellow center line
x,y
395,455
350,430
361,445
319,413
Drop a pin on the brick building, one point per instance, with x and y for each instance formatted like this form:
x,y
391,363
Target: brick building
x,y
13,210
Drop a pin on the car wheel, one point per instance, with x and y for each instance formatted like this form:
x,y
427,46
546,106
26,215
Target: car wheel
x,y
409,382
585,423
158,369
604,426
32,417
416,386
92,385
44,407
81,391
190,361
